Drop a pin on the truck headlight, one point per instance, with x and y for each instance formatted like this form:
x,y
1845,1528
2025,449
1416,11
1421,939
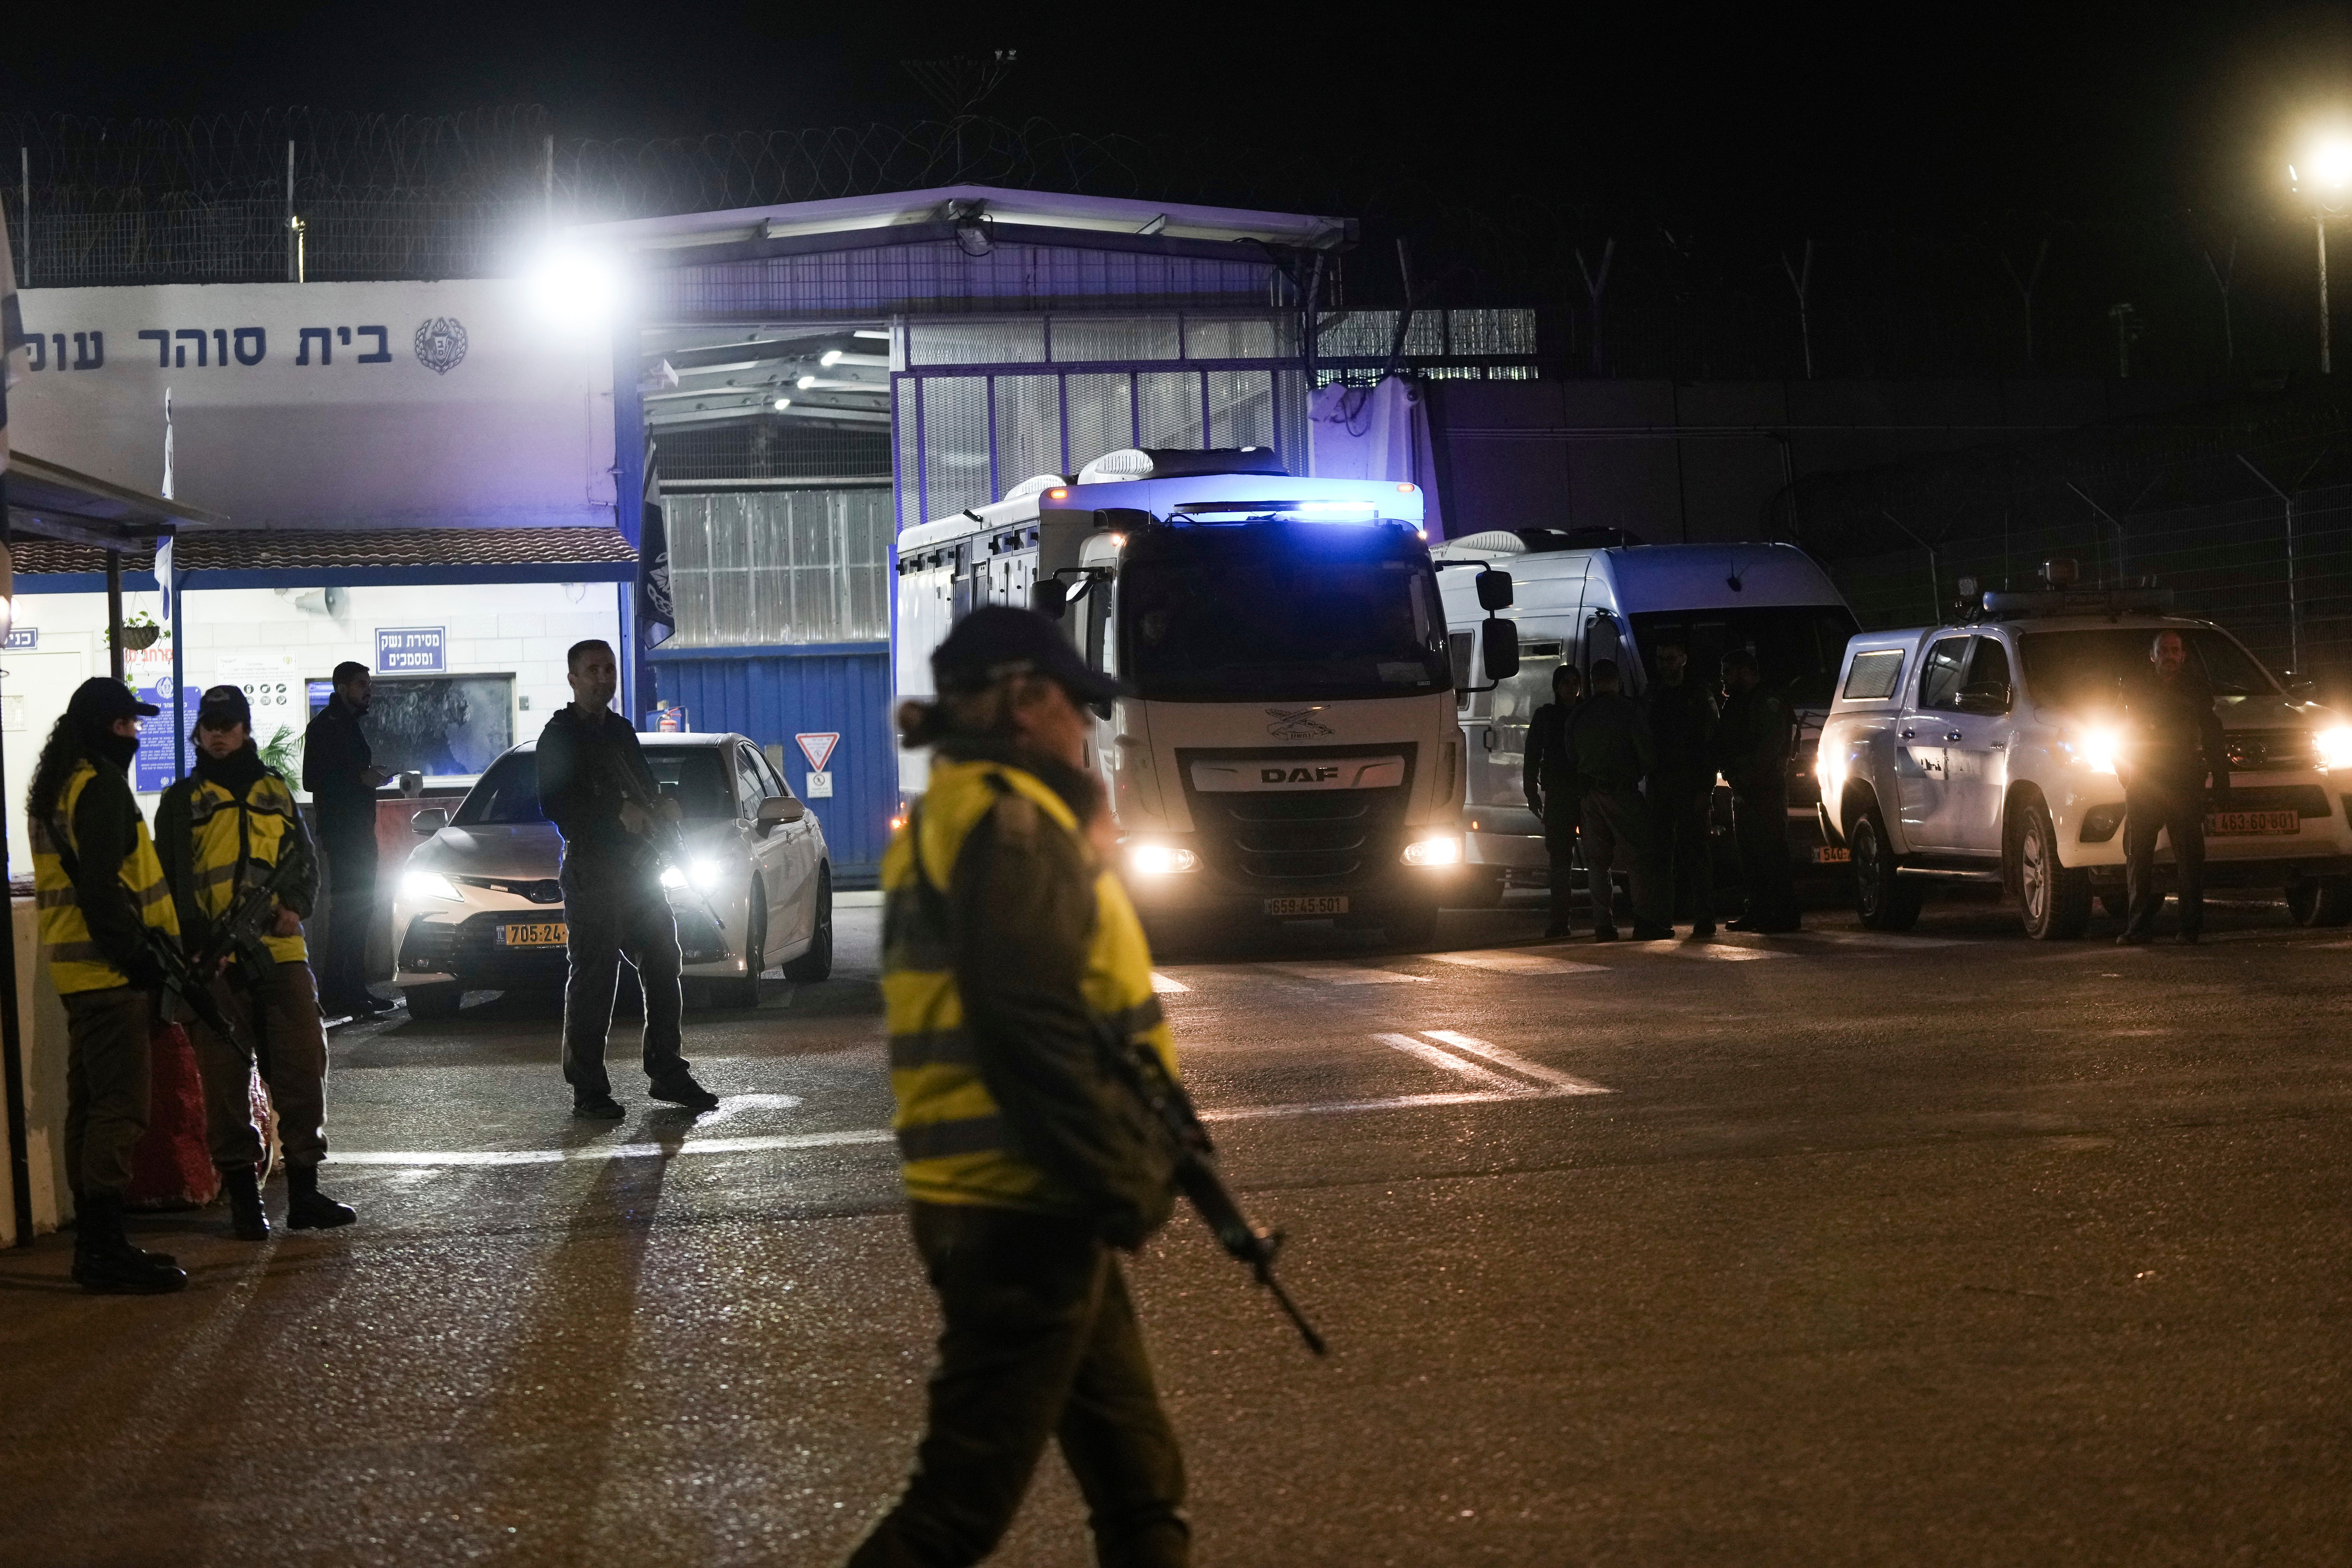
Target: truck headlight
x,y
1161,859
428,884
2336,747
2098,748
1445,851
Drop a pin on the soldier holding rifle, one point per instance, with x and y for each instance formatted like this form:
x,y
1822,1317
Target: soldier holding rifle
x,y
594,785
225,830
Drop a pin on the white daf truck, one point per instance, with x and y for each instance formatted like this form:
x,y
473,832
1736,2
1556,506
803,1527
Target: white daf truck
x,y
1596,593
1291,750
1985,751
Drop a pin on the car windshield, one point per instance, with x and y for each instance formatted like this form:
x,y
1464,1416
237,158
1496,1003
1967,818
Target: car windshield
x,y
509,792
1798,646
2070,670
1275,611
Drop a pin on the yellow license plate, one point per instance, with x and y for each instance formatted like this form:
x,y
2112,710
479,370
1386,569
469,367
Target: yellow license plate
x,y
1329,904
1831,855
537,934
2252,823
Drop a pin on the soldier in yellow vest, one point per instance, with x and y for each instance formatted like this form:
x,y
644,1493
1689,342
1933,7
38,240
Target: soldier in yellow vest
x,y
222,829
1010,952
100,892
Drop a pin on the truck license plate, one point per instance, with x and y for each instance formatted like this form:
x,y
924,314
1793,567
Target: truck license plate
x,y
536,933
1329,904
2250,823
1831,855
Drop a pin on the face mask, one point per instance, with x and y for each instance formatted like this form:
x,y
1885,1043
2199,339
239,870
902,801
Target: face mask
x,y
113,749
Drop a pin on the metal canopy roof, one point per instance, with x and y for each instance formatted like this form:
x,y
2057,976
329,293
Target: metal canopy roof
x,y
57,502
859,215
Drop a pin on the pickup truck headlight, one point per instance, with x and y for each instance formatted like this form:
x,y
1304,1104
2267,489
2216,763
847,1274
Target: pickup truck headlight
x,y
428,884
2334,748
2097,750
1445,851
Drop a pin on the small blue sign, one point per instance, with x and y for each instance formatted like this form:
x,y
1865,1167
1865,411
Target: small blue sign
x,y
157,766
321,693
411,650
22,639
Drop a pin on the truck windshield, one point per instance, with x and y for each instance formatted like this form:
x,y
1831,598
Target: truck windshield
x,y
2073,669
1798,646
509,792
1270,612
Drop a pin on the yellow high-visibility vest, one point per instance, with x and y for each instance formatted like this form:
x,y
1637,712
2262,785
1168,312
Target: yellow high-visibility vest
x,y
75,963
952,1142
231,848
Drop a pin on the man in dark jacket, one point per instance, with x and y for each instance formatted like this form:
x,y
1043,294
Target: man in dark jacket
x,y
1754,740
1549,780
2176,744
1612,751
594,785
340,771
1682,786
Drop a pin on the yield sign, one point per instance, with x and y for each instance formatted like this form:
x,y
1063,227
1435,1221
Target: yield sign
x,y
818,747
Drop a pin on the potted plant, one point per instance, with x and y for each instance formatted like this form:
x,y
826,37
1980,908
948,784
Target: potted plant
x,y
140,630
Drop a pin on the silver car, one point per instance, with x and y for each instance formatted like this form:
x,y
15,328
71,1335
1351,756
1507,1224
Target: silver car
x,y
479,907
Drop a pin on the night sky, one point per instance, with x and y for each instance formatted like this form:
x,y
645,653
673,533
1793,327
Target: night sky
x,y
1775,115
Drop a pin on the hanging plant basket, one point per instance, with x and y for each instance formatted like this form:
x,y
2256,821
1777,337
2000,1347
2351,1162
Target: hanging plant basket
x,y
140,637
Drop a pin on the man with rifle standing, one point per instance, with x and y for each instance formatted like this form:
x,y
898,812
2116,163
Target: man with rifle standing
x,y
1015,974
594,785
103,908
339,769
224,831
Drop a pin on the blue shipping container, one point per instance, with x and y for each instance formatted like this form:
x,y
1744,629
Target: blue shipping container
x,y
773,694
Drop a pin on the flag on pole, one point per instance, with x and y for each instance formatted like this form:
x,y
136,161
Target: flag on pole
x,y
654,607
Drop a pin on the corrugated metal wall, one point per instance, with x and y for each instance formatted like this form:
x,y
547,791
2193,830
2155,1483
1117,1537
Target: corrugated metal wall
x,y
773,694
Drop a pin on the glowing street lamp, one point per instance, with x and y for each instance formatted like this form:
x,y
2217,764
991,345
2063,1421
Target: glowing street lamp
x,y
2325,180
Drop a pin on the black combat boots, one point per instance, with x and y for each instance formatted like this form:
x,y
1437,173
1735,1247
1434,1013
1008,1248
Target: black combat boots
x,y
105,1262
306,1208
247,1220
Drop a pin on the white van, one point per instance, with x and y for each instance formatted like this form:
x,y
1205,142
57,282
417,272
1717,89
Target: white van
x,y
1597,594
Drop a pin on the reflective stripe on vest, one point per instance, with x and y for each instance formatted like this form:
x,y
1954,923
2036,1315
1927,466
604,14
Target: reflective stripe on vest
x,y
75,962
231,843
952,1139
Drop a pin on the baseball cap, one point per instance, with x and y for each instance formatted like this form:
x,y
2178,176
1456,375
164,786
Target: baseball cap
x,y
224,706
102,699
997,640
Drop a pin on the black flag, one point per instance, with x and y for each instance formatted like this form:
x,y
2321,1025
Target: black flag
x,y
653,608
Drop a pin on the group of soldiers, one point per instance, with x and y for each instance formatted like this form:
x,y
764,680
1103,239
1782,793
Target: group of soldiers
x,y
123,914
1631,785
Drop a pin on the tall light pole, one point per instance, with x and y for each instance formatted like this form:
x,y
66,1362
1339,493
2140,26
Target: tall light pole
x,y
2325,182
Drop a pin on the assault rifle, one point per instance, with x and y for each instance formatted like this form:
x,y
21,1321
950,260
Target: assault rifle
x,y
192,985
1139,1066
250,914
665,840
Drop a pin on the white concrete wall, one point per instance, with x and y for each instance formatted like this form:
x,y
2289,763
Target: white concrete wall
x,y
519,629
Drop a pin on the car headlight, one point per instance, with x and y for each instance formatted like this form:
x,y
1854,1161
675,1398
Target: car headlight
x,y
428,884
2334,747
1161,859
2098,750
703,873
1445,851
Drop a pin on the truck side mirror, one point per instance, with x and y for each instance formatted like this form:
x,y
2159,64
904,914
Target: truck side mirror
x,y
1498,641
429,821
1493,593
1050,598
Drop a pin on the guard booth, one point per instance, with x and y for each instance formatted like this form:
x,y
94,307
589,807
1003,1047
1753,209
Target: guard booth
x,y
800,384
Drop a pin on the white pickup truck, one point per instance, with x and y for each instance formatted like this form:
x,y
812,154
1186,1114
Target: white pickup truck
x,y
1985,751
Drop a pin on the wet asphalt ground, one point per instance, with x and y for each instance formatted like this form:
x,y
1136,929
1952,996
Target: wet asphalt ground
x,y
1947,1247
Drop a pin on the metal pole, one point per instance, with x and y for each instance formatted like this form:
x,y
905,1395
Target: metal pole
x,y
2293,594
293,236
24,211
2319,227
179,687
12,1043
114,612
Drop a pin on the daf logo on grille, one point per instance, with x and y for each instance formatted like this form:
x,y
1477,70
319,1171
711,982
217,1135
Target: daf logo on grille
x,y
1297,775
1296,724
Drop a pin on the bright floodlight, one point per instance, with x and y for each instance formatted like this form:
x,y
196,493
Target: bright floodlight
x,y
576,287
2331,163
832,357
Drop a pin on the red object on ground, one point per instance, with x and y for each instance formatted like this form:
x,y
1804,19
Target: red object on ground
x,y
173,1166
